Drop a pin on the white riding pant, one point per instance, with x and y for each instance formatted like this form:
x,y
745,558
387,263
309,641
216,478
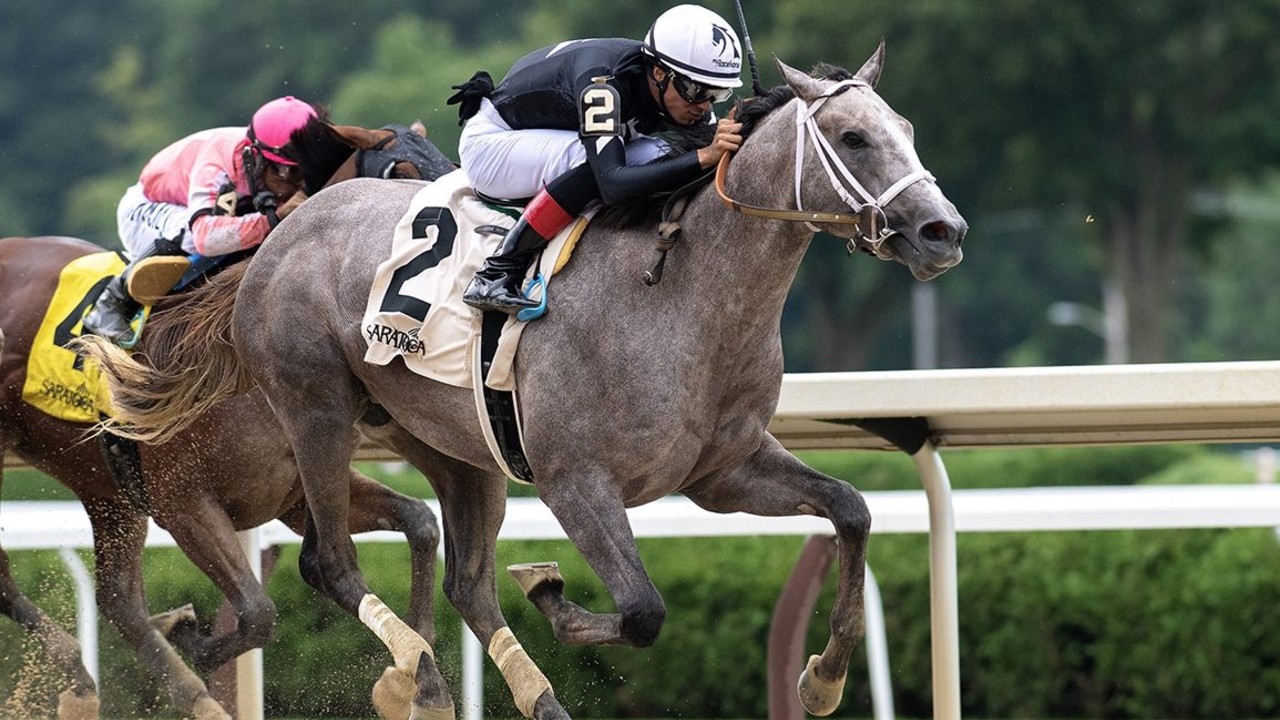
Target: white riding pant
x,y
512,164
142,221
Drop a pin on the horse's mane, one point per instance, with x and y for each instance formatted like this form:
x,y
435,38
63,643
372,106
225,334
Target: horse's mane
x,y
749,111
321,151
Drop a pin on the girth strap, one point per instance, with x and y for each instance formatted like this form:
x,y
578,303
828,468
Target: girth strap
x,y
500,405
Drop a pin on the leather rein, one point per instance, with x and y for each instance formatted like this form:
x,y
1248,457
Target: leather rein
x,y
871,228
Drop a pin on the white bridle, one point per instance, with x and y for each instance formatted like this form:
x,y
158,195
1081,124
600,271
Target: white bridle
x,y
869,207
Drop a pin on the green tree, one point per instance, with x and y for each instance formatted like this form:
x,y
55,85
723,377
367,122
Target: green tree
x,y
1123,110
414,63
1239,304
49,110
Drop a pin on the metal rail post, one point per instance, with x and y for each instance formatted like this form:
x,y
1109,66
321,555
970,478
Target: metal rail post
x,y
943,606
249,681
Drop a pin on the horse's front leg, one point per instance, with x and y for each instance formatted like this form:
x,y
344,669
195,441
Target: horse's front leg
x,y
118,538
322,431
773,482
594,518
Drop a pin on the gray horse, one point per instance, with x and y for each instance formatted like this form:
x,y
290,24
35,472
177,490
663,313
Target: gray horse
x,y
629,392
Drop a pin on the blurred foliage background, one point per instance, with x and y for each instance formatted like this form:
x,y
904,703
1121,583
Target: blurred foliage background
x,y
1117,161
1118,157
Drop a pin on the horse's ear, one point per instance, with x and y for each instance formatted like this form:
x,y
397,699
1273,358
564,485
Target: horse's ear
x,y
806,88
870,70
358,137
419,128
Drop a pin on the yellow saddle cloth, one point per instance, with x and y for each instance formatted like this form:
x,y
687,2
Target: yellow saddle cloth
x,y
58,381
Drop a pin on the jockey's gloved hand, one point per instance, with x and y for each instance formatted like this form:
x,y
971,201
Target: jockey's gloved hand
x,y
265,202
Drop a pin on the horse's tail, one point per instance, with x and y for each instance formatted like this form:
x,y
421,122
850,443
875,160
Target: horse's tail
x,y
187,363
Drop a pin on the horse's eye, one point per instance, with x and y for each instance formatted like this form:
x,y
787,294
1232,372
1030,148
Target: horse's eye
x,y
852,139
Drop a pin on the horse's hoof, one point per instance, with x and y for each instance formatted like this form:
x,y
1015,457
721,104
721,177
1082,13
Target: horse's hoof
x,y
444,713
531,575
77,707
549,708
393,694
819,696
206,708
167,622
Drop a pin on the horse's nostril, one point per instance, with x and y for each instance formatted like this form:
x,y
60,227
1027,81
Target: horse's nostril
x,y
941,231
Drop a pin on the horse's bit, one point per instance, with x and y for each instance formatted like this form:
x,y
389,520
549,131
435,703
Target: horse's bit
x,y
870,222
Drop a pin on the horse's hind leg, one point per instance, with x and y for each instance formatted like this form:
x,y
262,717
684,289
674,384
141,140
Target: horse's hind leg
x,y
375,506
207,536
319,421
79,701
118,537
773,482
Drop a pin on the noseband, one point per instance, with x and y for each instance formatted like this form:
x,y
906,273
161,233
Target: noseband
x,y
871,227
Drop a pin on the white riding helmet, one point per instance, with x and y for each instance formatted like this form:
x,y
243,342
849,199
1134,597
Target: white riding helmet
x,y
698,44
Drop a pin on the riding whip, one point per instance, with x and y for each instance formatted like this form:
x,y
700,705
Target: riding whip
x,y
751,54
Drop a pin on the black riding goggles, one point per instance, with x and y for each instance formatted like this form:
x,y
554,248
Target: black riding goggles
x,y
696,93
287,173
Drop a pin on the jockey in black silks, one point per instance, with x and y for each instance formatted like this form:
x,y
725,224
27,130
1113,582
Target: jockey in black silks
x,y
570,124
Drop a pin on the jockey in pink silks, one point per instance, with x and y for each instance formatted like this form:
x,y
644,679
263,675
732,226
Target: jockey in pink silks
x,y
212,193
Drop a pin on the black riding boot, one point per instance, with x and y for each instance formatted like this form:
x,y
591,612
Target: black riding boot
x,y
115,308
497,284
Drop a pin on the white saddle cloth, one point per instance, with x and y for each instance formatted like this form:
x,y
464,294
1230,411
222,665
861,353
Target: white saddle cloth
x,y
415,309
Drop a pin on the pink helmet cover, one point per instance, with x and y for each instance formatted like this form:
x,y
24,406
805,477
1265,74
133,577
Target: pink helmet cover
x,y
274,122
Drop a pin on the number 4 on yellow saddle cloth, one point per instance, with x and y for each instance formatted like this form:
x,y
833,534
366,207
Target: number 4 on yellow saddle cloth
x,y
58,381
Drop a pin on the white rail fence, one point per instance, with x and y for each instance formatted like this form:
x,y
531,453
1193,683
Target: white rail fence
x,y
63,525
928,410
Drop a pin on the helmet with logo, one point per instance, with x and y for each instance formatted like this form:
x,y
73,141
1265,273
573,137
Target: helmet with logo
x,y
697,43
272,125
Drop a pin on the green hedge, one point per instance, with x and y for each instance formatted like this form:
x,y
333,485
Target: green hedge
x,y
1053,625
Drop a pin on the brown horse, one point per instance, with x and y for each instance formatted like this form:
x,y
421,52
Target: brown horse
x,y
628,392
232,470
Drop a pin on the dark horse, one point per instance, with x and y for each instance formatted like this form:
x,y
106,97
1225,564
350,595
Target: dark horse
x,y
628,392
231,470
